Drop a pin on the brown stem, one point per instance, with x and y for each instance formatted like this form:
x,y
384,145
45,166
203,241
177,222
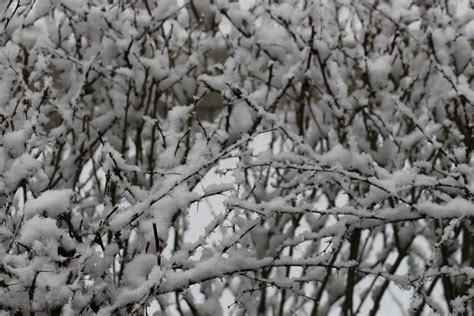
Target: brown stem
x,y
157,245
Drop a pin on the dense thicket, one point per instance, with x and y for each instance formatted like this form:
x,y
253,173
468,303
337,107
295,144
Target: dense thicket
x,y
334,140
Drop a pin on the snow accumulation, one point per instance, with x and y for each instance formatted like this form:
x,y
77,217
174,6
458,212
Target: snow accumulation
x,y
236,157
52,202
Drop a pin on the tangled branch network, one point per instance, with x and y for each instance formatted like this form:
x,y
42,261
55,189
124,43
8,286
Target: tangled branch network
x,y
216,157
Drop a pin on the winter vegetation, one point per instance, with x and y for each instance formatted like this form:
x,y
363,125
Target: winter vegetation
x,y
215,157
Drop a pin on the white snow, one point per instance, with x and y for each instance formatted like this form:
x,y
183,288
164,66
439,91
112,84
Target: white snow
x,y
39,229
455,208
52,202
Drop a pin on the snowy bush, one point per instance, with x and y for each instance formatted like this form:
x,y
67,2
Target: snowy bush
x,y
325,148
